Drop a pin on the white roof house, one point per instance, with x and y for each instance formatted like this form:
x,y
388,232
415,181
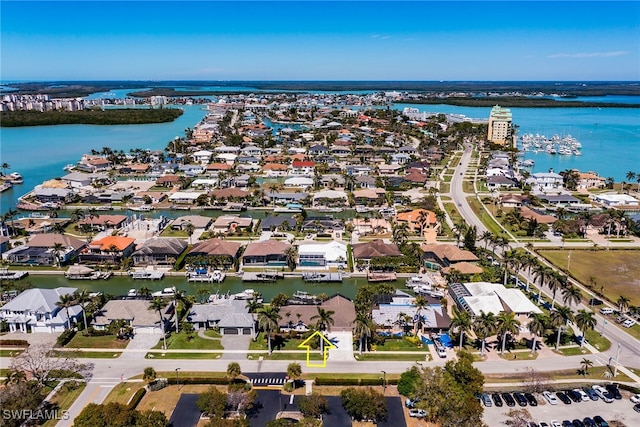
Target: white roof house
x,y
184,197
298,182
495,298
616,199
202,156
36,310
322,254
330,194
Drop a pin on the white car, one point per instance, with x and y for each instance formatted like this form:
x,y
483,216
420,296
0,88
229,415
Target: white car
x,y
555,423
418,413
551,398
635,398
584,396
602,393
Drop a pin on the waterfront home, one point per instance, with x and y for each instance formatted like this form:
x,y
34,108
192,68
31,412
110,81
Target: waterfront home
x,y
79,180
513,200
277,223
375,249
40,250
252,151
528,213
587,180
153,196
89,163
169,180
266,253
560,199
543,181
332,180
202,156
282,198
302,168
102,222
51,195
215,168
184,197
204,183
417,219
437,255
299,181
136,313
229,316
330,198
198,222
231,223
496,182
372,197
365,181
322,224
326,255
108,249
214,252
367,226
231,194
615,200
297,317
35,310
402,313
159,251
483,297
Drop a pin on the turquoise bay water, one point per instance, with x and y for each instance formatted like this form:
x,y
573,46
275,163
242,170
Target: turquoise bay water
x,y
39,153
610,137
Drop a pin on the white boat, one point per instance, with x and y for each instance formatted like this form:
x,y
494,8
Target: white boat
x,y
421,281
69,167
166,292
361,209
146,274
132,293
388,212
215,276
246,294
15,178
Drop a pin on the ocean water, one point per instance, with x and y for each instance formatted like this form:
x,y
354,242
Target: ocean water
x,y
610,137
39,153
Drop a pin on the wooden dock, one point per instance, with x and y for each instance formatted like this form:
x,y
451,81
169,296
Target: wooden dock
x,y
322,277
381,277
261,277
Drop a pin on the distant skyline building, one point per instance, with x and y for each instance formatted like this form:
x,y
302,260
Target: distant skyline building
x,y
500,126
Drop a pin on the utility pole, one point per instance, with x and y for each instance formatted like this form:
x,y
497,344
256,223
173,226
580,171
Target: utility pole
x,y
384,382
615,369
178,378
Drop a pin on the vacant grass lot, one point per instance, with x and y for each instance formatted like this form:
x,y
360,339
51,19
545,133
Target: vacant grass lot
x,y
615,272
106,341
182,341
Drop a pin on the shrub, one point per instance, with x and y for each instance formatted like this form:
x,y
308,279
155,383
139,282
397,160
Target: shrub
x,y
66,336
136,398
15,343
158,384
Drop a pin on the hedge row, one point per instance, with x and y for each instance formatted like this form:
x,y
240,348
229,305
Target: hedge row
x,y
353,381
136,398
66,336
15,343
627,387
203,380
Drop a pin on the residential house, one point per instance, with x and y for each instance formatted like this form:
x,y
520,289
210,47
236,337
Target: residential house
x,y
159,251
401,312
496,182
299,316
202,156
169,180
302,168
544,181
611,200
198,222
482,297
35,310
273,223
108,249
40,250
415,177
367,226
587,180
370,197
184,197
230,194
231,223
275,169
322,224
136,313
437,255
229,316
330,198
103,222
214,252
332,254
375,249
266,253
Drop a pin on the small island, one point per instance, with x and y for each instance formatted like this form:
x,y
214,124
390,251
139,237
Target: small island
x,y
119,116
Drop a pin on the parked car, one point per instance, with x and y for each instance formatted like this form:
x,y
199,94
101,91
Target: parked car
x,y
635,398
567,423
543,424
628,323
595,301
602,394
531,399
497,400
410,403
577,423
563,398
583,395
588,422
636,407
417,413
508,399
555,423
551,398
591,393
573,395
613,391
600,422
522,401
606,310
486,400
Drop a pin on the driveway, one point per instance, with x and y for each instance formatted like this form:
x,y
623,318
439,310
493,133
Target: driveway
x,y
268,403
36,338
344,346
337,416
395,413
237,343
186,413
138,344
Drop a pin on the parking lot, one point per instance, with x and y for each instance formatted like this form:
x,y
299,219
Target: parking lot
x,y
621,410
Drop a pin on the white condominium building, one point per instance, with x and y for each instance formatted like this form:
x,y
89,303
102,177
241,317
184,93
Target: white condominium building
x,y
500,127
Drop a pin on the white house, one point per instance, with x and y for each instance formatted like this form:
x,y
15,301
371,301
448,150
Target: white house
x,y
616,199
203,156
184,197
35,310
545,181
298,182
332,254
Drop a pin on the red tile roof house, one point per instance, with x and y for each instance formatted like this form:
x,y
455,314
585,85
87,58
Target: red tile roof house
x,y
445,255
168,180
275,169
298,317
302,168
266,253
108,249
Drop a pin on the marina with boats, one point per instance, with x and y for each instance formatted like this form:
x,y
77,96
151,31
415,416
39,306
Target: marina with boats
x,y
556,144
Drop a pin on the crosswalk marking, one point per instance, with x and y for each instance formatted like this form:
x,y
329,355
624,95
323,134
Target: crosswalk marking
x,y
267,380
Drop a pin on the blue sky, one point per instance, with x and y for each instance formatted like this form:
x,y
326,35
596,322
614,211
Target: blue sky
x,y
202,40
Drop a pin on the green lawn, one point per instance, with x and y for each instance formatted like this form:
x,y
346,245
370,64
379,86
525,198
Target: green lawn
x,y
10,353
65,397
106,341
366,357
598,341
599,267
89,354
182,341
595,372
397,345
480,212
314,355
212,333
572,351
278,342
170,232
162,356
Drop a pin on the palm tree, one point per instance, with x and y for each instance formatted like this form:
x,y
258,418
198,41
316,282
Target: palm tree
x,y
586,364
82,298
157,304
556,282
461,321
623,303
144,292
424,219
529,262
268,318
233,371
324,320
541,274
585,321
253,305
459,229
189,229
571,294
291,255
66,301
294,371
486,237
57,249
4,168
484,326
400,233
507,325
420,302
559,318
363,327
537,326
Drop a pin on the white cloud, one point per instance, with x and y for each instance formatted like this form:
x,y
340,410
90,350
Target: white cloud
x,y
589,54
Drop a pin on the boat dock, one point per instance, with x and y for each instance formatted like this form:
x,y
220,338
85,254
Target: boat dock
x,y
381,277
12,275
146,275
322,277
261,277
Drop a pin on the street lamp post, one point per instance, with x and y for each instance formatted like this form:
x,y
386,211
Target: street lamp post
x,y
384,382
604,322
615,369
178,377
